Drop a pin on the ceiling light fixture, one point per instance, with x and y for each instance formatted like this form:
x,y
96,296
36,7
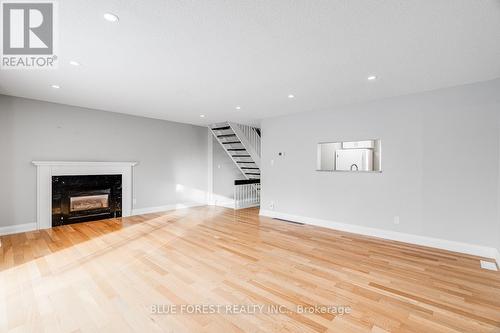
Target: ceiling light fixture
x,y
55,86
74,63
238,107
202,116
372,78
111,17
291,96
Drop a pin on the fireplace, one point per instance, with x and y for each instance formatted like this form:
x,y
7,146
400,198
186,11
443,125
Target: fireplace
x,y
89,202
85,198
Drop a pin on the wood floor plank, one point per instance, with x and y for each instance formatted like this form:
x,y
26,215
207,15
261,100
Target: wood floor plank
x,y
107,276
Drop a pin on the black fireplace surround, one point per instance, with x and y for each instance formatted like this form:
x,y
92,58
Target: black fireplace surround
x,y
85,198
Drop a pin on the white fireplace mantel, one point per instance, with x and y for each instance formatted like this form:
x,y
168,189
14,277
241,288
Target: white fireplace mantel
x,y
47,169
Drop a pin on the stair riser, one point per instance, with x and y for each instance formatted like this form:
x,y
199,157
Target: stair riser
x,y
224,124
235,146
228,139
243,159
224,132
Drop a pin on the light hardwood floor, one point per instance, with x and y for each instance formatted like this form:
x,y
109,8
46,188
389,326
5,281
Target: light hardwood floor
x,y
105,277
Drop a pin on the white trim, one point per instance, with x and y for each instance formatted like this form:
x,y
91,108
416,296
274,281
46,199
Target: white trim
x,y
47,169
17,228
165,208
229,203
210,166
491,266
477,250
497,257
84,164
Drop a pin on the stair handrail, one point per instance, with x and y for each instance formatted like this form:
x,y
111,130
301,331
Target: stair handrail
x,y
249,138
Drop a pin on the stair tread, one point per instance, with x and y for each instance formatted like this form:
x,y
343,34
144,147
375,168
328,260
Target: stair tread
x,y
236,149
240,156
230,143
225,135
249,168
221,128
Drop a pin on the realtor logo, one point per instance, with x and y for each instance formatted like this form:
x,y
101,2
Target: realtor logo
x,y
28,35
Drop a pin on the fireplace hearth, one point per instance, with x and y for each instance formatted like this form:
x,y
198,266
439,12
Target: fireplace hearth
x,y
85,198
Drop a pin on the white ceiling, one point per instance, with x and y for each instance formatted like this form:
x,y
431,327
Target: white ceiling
x,y
176,60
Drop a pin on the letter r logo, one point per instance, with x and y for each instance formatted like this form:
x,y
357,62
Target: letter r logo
x,y
27,28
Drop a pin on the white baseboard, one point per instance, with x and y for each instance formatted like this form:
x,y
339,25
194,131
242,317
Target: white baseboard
x,y
226,203
14,229
165,208
477,250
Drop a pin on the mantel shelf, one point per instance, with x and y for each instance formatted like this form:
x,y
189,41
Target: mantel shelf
x,y
83,163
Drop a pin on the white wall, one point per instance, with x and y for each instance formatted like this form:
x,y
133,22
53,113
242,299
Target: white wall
x,y
440,158
224,174
172,156
498,193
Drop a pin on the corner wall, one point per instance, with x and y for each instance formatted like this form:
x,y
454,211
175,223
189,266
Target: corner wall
x,y
225,172
440,162
172,156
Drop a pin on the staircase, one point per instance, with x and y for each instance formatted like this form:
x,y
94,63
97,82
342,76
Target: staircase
x,y
242,144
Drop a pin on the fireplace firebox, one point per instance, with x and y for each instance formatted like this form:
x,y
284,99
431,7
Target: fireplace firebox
x,y
85,198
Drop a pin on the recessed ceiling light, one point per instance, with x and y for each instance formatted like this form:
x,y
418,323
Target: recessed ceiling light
x,y
372,78
291,96
111,17
55,86
74,63
202,116
238,107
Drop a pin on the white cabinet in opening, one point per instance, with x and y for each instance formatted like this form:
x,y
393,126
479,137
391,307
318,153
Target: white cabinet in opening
x,y
354,156
354,160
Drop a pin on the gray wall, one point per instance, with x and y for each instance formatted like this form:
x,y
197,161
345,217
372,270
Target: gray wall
x,y
440,161
170,154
